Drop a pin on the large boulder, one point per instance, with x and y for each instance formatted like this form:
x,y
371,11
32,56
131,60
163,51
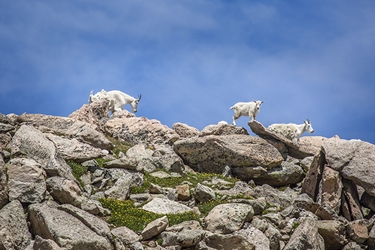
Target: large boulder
x,y
14,232
82,131
26,180
223,129
213,153
31,142
140,130
68,231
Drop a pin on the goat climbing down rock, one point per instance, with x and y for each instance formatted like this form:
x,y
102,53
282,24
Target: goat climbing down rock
x,y
292,131
250,109
117,100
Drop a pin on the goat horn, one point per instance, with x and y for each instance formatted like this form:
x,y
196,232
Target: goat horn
x,y
139,97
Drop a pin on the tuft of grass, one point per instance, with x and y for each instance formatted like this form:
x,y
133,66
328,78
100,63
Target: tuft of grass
x,y
78,170
101,161
178,218
206,207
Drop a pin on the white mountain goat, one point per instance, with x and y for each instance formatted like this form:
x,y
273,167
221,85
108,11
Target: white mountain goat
x,y
250,109
117,100
292,131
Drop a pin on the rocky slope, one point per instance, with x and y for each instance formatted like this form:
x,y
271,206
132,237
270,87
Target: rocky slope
x,y
267,192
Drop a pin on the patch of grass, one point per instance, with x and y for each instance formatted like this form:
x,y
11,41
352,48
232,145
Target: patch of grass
x,y
125,213
178,218
78,170
206,207
120,146
101,161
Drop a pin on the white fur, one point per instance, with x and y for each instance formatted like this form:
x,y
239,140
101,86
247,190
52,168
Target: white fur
x,y
117,100
292,131
250,109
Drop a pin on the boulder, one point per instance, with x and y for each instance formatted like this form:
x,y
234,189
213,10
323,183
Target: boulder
x,y
165,206
331,188
3,183
154,228
184,130
223,129
185,234
26,180
333,233
14,232
31,142
74,150
125,235
44,244
69,232
140,130
213,153
82,131
306,236
229,217
228,241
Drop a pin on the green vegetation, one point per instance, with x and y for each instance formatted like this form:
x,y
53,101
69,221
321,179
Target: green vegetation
x,y
78,170
125,213
206,207
120,146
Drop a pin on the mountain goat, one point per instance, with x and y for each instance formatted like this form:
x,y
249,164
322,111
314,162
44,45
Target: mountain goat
x,y
292,131
250,109
117,100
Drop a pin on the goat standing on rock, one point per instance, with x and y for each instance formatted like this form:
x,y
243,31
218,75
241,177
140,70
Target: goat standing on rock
x,y
117,100
292,131
250,109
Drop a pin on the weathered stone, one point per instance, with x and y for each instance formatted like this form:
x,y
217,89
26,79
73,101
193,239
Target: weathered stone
x,y
371,238
82,131
183,192
228,241
26,180
306,236
223,129
185,234
31,142
121,189
310,185
67,231
126,235
65,191
358,231
184,130
203,193
274,237
285,174
3,183
4,140
331,188
154,228
333,233
14,232
212,153
275,197
140,130
229,217
74,150
45,244
351,195
95,113
123,162
165,206
256,237
368,201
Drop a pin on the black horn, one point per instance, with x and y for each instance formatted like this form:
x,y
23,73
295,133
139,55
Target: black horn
x,y
139,97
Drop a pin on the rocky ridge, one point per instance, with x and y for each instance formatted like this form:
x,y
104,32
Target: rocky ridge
x,y
317,195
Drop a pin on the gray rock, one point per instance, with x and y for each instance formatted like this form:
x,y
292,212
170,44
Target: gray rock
x,y
45,244
229,217
31,142
26,180
184,130
203,193
256,237
14,232
333,233
165,206
306,236
228,241
125,235
67,231
3,183
185,234
213,153
154,228
223,129
64,191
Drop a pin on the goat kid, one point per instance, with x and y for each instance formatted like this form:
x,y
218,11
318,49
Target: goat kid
x,y
292,131
117,100
250,109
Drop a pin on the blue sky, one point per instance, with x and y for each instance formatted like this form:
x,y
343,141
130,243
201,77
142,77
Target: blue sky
x,y
193,59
